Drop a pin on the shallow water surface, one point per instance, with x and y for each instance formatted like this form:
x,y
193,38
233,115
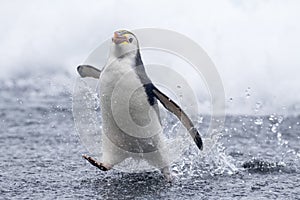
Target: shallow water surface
x,y
257,156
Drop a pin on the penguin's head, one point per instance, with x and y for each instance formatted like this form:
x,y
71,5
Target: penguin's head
x,y
124,43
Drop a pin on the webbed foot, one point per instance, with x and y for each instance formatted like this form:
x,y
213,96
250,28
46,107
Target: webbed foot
x,y
94,162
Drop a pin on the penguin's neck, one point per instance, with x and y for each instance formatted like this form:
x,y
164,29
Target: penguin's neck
x,y
128,59
132,59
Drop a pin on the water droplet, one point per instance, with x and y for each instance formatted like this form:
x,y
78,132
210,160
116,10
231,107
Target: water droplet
x,y
280,119
178,86
20,101
200,120
279,136
247,92
258,121
274,119
257,106
274,129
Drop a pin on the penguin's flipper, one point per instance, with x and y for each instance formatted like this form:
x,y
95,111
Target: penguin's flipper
x,y
176,110
88,71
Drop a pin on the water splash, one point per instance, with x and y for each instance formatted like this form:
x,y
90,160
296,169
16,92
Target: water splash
x,y
258,121
274,123
212,161
185,156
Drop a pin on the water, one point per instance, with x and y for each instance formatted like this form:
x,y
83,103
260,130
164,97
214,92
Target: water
x,y
256,158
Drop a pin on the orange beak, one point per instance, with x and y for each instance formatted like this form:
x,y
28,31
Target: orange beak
x,y
118,39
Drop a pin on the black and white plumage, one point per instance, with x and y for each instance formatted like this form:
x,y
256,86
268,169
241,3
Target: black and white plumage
x,y
129,108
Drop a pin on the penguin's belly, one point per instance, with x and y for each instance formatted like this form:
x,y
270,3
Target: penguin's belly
x,y
129,121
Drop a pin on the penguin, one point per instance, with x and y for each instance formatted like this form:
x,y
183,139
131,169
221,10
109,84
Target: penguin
x,y
131,123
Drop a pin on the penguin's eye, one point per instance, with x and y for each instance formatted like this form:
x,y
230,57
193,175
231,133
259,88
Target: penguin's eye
x,y
130,40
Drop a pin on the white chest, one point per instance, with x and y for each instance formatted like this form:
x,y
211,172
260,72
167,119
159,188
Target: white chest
x,y
124,102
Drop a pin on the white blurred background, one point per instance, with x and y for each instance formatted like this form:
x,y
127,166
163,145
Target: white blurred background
x,y
254,44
